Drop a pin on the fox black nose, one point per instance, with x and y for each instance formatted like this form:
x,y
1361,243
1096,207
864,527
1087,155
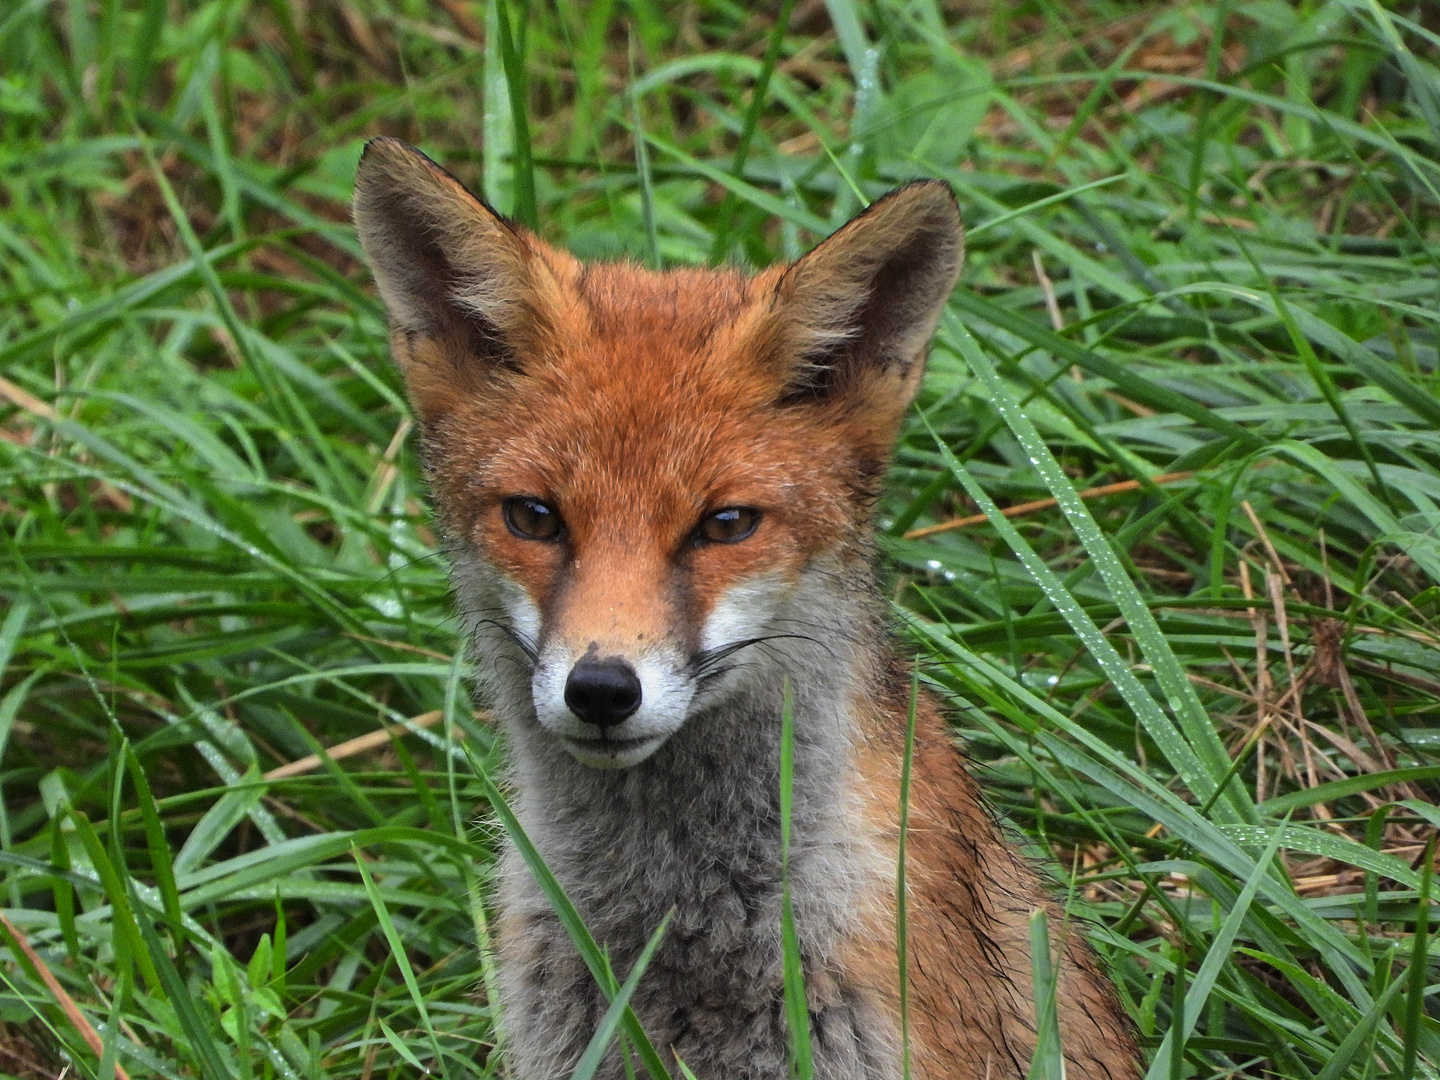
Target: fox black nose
x,y
602,692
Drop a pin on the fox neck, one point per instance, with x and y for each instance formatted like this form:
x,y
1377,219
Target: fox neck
x,y
697,825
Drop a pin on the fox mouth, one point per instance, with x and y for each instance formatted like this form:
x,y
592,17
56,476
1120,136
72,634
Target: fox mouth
x,y
596,728
610,753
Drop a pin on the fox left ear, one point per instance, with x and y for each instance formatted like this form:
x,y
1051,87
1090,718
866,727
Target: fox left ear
x,y
864,304
468,292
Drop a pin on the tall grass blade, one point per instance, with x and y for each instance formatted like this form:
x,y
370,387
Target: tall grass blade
x,y
758,96
1206,760
647,181
797,1008
517,90
595,959
1167,1059
498,132
1418,972
402,960
161,864
209,1059
902,887
605,1031
1048,1061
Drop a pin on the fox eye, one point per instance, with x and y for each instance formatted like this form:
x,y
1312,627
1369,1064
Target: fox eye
x,y
531,519
727,526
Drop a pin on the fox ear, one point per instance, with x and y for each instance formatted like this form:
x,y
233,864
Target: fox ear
x,y
865,302
464,287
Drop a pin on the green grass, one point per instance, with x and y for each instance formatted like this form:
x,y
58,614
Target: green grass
x,y
1203,239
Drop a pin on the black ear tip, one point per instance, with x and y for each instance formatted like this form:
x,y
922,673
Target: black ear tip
x,y
380,156
387,163
931,202
930,185
396,156
385,148
935,194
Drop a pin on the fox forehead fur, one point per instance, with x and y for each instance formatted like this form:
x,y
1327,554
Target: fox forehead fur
x,y
629,408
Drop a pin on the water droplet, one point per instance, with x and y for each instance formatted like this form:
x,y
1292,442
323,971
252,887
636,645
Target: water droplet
x,y
934,564
386,605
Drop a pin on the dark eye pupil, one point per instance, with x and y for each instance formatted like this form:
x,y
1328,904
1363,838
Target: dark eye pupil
x,y
531,518
732,523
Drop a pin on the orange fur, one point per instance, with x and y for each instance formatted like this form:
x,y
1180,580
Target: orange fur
x,y
971,896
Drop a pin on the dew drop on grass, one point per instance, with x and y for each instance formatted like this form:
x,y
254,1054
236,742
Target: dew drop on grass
x,y
386,605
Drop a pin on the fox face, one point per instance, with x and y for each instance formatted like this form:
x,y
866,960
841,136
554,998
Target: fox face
x,y
635,471
635,542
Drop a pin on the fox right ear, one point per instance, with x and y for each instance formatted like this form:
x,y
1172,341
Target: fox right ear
x,y
464,287
859,310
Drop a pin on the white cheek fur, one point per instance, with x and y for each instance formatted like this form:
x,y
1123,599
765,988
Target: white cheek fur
x,y
743,611
524,615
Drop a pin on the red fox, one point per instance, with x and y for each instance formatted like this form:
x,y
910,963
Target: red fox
x,y
656,491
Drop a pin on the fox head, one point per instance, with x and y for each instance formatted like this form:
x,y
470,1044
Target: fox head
x,y
636,472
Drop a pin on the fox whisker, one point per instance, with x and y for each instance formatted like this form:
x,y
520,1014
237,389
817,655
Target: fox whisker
x,y
704,659
523,643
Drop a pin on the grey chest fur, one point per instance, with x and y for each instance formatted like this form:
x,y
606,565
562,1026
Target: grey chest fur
x,y
696,829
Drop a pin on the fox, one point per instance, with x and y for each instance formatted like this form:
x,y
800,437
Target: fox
x,y
656,491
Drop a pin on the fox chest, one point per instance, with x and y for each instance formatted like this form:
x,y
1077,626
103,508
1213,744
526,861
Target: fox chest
x,y
713,994
712,997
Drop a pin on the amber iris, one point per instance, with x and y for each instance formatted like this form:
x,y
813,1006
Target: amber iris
x,y
531,518
727,526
